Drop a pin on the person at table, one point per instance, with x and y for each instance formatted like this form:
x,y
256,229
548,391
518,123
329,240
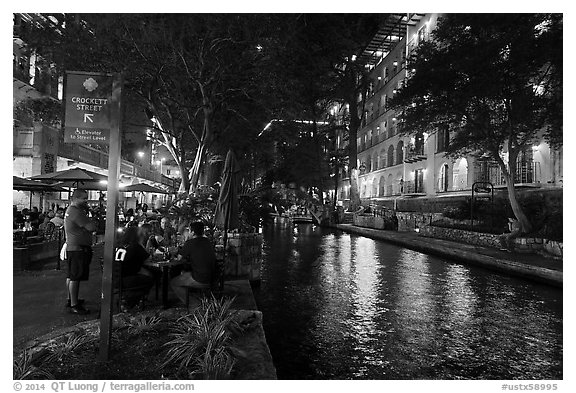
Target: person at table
x,y
58,219
148,239
34,218
78,228
45,221
199,266
168,232
136,279
18,218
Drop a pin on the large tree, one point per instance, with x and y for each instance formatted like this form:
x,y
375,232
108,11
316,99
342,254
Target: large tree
x,y
196,76
493,81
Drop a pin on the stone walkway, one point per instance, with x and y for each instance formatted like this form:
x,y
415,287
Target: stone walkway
x,y
531,266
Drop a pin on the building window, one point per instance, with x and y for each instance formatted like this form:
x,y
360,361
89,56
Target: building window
x,y
391,155
443,140
419,181
400,152
168,172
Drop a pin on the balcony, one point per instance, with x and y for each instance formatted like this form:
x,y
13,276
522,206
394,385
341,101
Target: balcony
x,y
528,172
414,154
411,187
44,82
99,159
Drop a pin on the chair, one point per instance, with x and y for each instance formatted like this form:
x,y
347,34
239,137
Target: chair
x,y
49,231
215,288
118,288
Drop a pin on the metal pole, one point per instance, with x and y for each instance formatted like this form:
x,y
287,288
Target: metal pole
x,y
111,203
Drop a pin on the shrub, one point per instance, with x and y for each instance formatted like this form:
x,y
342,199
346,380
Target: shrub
x,y
552,228
24,368
199,344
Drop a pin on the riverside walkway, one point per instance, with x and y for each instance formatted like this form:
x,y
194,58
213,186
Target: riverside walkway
x,y
530,266
39,297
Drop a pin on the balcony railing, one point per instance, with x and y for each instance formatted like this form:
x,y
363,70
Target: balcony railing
x,y
411,187
44,82
100,159
526,173
414,153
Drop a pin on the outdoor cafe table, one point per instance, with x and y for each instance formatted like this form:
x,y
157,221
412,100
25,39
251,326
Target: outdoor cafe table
x,y
164,267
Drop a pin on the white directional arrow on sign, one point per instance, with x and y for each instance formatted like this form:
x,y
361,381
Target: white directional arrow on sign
x,y
89,117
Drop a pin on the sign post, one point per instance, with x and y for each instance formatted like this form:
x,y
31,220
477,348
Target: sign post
x,y
93,115
111,216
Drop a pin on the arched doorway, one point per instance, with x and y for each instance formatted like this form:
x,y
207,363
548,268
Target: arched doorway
x,y
460,174
382,187
443,178
374,187
389,183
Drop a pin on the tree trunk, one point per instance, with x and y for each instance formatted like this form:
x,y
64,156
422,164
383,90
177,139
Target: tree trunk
x,y
512,197
353,154
202,146
354,195
185,183
197,167
509,172
336,180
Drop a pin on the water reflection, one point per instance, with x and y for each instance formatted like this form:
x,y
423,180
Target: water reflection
x,y
341,306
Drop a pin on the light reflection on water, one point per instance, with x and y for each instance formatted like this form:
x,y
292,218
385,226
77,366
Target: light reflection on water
x,y
341,306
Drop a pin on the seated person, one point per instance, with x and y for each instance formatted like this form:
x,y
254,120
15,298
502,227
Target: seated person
x,y
42,227
168,232
58,220
134,275
199,268
148,239
34,218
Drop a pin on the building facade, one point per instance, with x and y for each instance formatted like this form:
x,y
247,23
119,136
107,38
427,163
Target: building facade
x,y
392,165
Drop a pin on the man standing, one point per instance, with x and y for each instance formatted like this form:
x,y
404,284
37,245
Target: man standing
x,y
78,228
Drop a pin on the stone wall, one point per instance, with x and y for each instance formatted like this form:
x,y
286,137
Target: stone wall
x,y
459,235
244,256
410,221
522,245
367,221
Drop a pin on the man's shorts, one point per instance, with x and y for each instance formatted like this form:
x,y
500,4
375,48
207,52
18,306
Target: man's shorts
x,y
79,264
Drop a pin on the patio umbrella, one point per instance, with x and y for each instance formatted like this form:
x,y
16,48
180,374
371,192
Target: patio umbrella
x,y
78,177
143,187
227,208
20,184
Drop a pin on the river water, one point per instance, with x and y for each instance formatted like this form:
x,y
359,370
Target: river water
x,y
341,306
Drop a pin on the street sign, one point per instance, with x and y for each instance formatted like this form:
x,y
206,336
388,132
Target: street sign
x,y
88,99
